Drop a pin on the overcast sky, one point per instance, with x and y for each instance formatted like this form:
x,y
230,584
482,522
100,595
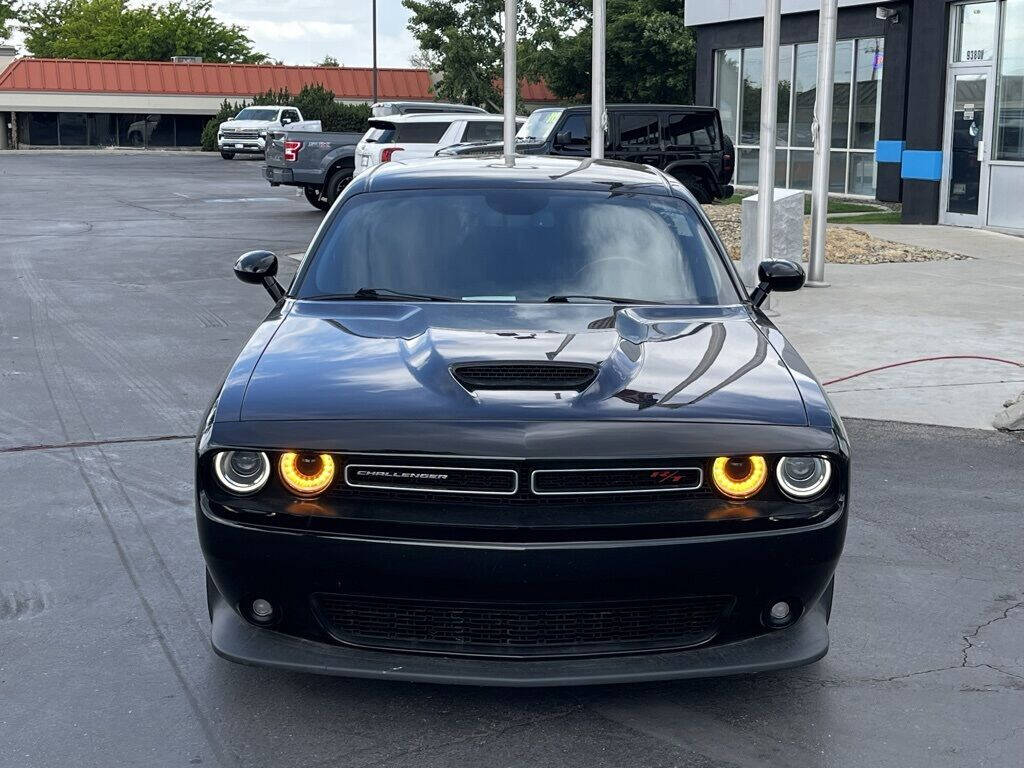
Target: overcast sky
x,y
304,31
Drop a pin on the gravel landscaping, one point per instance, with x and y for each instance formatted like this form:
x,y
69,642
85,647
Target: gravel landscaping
x,y
843,246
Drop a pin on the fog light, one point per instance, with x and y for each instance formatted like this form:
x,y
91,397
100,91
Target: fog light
x,y
262,610
780,615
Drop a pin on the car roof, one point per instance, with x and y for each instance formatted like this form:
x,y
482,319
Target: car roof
x,y
441,117
269,106
636,108
529,171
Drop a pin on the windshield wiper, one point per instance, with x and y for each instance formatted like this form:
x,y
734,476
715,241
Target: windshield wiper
x,y
564,299
378,294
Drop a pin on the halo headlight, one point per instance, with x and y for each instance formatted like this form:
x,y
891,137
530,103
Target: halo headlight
x,y
803,477
242,472
739,477
306,474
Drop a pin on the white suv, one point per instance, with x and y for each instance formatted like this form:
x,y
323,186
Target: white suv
x,y
404,137
246,132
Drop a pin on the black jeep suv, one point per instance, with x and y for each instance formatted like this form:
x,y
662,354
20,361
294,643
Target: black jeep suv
x,y
684,141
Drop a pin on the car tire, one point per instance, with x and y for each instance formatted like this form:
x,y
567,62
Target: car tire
x,y
336,184
227,155
315,198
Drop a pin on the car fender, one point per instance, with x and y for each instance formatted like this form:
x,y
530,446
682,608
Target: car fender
x,y
699,168
337,158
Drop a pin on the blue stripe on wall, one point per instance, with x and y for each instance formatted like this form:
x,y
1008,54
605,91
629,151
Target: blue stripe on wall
x,y
889,151
925,165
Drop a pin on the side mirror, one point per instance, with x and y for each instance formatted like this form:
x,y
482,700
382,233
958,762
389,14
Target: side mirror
x,y
779,275
563,138
260,268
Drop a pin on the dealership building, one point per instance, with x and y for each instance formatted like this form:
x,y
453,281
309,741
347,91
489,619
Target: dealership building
x,y
928,103
82,103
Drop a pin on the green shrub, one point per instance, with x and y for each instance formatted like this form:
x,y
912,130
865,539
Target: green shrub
x,y
226,112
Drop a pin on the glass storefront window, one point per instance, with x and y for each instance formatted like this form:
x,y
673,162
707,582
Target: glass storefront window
x,y
867,90
39,129
806,86
106,129
785,94
841,94
862,173
857,100
1010,94
801,167
72,129
750,124
975,25
728,96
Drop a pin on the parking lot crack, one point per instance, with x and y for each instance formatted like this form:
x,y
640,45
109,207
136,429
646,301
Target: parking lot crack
x,y
970,637
95,443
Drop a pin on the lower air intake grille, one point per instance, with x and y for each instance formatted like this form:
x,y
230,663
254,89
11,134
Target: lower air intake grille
x,y
521,629
525,376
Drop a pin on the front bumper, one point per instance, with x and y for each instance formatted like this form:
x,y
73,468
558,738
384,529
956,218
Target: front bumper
x,y
236,640
241,146
287,567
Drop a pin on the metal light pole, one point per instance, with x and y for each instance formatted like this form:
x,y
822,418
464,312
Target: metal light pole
x,y
511,81
597,79
769,110
822,135
374,51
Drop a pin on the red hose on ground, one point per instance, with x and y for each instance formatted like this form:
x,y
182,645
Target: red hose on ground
x,y
923,360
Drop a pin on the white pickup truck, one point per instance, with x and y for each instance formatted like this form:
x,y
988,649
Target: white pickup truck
x,y
406,137
247,132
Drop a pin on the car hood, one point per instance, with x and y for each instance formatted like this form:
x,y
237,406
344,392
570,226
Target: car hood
x,y
393,361
246,124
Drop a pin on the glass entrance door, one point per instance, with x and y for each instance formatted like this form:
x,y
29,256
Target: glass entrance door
x,y
967,143
969,106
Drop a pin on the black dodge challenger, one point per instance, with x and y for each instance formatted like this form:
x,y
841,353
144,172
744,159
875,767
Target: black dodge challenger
x,y
520,426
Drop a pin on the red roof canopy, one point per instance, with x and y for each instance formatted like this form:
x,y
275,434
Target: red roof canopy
x,y
232,80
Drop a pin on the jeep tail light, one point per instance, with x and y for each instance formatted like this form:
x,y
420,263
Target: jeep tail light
x,y
389,152
728,163
291,150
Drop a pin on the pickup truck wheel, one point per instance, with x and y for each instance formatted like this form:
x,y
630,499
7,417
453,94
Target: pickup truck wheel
x,y
227,155
315,197
337,183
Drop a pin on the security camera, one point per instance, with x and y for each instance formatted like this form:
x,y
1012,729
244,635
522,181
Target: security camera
x,y
887,14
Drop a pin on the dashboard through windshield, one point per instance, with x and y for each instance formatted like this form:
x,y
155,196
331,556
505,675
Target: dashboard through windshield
x,y
517,245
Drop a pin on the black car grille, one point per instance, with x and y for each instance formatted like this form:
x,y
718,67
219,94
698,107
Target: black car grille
x,y
503,482
525,376
612,481
521,629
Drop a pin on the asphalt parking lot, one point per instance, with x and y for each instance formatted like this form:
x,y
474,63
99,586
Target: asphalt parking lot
x,y
118,317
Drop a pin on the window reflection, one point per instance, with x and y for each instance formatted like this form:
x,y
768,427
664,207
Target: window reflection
x,y
1010,104
855,113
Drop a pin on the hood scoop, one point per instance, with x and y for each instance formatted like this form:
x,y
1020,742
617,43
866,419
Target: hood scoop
x,y
540,376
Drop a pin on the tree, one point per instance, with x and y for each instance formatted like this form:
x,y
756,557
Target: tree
x,y
111,29
8,13
465,42
328,61
649,53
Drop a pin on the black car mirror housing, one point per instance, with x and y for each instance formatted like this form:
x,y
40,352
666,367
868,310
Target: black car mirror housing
x,y
260,268
781,275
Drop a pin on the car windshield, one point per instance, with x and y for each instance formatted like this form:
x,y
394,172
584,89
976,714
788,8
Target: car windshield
x,y
518,246
250,113
539,124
